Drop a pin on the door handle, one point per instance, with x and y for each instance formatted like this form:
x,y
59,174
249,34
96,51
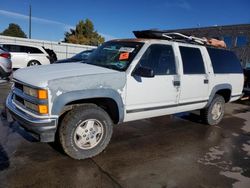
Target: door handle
x,y
177,83
206,81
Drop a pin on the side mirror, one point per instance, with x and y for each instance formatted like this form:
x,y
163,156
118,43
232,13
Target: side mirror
x,y
144,72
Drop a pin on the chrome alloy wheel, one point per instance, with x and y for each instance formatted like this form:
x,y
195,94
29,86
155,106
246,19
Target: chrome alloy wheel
x,y
217,111
34,63
88,134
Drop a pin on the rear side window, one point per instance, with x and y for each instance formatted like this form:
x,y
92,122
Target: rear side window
x,y
31,50
34,50
224,61
3,48
160,58
12,48
192,60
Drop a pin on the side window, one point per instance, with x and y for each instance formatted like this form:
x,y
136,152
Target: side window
x,y
13,48
192,60
160,58
24,49
7,47
32,50
224,61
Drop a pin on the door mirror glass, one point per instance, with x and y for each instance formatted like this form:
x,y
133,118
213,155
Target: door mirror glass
x,y
144,72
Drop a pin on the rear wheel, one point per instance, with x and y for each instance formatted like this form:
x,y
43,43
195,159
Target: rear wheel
x,y
33,63
85,131
213,114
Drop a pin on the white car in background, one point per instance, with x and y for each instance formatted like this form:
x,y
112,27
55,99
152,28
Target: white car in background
x,y
5,64
26,55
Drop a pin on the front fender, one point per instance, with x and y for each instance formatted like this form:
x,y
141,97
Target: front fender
x,y
65,98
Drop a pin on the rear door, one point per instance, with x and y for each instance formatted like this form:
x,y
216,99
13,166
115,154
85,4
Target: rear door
x,y
195,78
38,55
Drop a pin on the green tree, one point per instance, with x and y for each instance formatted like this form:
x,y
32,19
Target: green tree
x,y
84,33
14,30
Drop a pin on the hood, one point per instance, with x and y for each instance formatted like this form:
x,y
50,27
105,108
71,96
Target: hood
x,y
41,76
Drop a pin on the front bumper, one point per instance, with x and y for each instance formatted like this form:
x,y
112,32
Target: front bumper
x,y
42,129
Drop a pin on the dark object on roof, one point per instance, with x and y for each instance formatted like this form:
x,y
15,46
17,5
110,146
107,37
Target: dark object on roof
x,y
164,35
149,34
179,37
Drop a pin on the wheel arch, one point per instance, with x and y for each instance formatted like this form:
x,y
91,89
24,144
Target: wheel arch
x,y
108,99
225,90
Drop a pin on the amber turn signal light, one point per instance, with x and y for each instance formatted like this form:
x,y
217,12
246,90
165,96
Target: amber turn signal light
x,y
43,109
42,94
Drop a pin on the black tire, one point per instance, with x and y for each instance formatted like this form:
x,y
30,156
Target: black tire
x,y
207,115
33,63
74,119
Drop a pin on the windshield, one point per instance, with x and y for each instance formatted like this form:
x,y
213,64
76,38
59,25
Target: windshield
x,y
115,54
82,55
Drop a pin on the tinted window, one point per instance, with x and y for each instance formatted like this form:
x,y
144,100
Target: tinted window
x,y
160,58
192,60
31,50
224,61
2,48
12,48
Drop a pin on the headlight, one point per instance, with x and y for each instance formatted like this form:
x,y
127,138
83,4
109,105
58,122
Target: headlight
x,y
30,91
38,93
31,106
40,108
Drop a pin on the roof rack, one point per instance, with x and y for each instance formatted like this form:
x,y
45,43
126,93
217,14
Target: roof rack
x,y
174,36
156,34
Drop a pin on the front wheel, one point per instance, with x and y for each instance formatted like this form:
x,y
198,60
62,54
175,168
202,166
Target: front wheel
x,y
213,114
85,131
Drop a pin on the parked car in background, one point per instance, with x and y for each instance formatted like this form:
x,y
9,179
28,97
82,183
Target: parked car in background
x,y
26,55
52,55
82,56
5,64
246,89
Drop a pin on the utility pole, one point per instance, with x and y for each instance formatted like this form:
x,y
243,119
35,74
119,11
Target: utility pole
x,y
30,23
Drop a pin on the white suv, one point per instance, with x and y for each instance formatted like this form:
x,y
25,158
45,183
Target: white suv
x,y
123,80
26,55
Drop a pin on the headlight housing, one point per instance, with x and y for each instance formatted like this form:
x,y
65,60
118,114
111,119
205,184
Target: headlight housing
x,y
41,94
37,93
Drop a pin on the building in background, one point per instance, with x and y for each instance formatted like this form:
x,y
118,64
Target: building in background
x,y
237,38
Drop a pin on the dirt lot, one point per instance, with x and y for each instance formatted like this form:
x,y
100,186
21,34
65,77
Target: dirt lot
x,y
169,151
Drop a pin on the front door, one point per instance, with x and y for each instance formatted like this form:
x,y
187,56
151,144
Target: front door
x,y
148,97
